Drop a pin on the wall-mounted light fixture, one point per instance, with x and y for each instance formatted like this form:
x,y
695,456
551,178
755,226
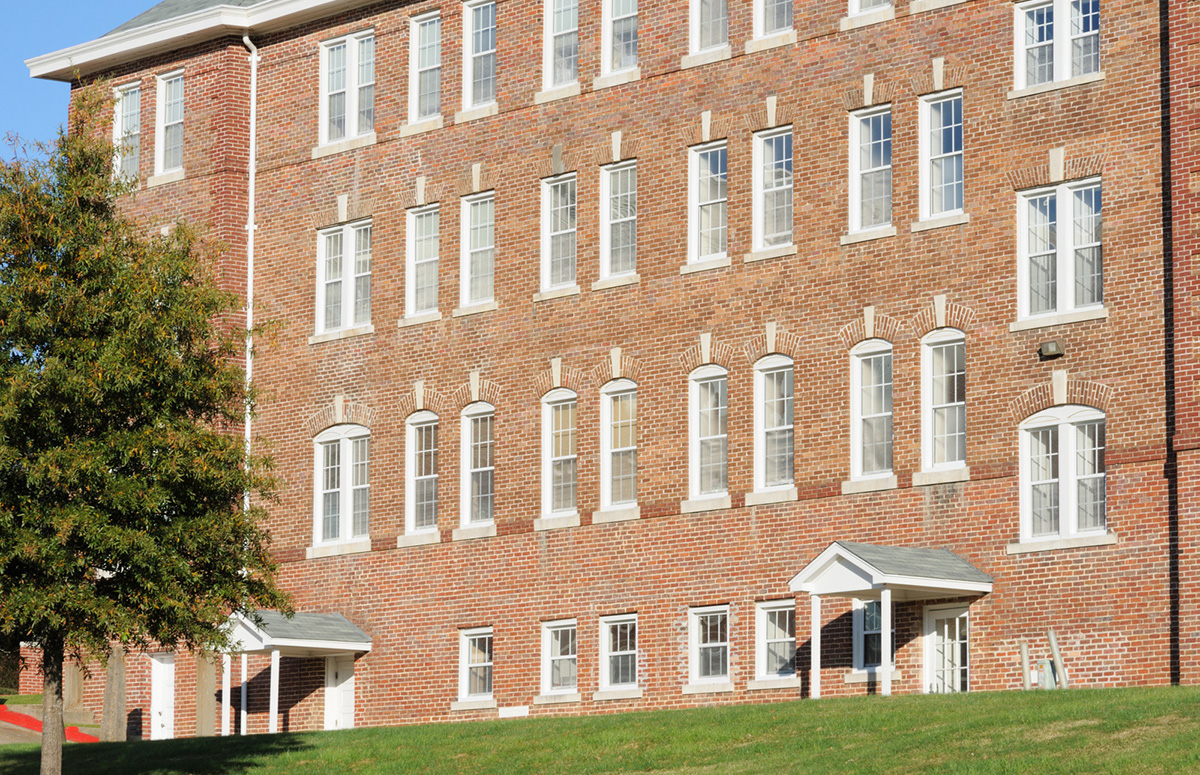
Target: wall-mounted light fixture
x,y
1051,350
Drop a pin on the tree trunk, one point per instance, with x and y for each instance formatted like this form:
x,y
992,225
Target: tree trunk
x,y
53,734
112,719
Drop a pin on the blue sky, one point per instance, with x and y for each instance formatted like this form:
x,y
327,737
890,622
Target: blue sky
x,y
34,109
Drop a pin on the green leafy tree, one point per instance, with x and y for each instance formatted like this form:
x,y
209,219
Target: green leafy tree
x,y
128,500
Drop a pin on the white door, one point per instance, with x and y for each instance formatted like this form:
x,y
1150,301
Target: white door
x,y
339,692
162,696
947,648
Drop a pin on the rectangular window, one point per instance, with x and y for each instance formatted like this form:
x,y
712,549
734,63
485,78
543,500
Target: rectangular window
x,y
776,436
423,249
479,72
872,409
709,644
475,660
619,464
361,485
348,87
1064,473
773,188
773,17
868,632
559,657
170,123
423,474
620,35
1061,269
562,42
942,155
618,220
708,193
342,474
425,88
481,468
710,24
946,405
331,490
776,639
344,267
712,436
1046,51
127,131
871,169
1043,480
558,232
863,6
561,460
479,242
618,652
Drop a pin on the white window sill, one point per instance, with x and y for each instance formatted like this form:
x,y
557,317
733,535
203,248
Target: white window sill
x,y
921,6
722,687
941,221
341,146
418,539
344,333
790,682
766,253
1050,544
474,114
868,675
416,320
474,309
513,711
167,177
945,476
774,40
707,503
473,704
556,293
869,485
778,495
556,93
476,531
1059,319
616,79
616,515
704,264
855,237
616,282
718,54
336,550
1042,88
428,125
867,19
556,522
557,699
632,693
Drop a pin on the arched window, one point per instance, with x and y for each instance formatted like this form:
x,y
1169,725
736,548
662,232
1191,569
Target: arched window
x,y
478,490
421,473
944,400
774,435
618,445
708,432
342,484
1063,473
560,463
871,409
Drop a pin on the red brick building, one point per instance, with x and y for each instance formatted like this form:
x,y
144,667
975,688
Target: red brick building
x,y
620,341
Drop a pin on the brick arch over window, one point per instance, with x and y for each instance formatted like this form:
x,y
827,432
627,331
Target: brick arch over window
x,y
476,389
340,412
422,398
942,314
1059,391
617,365
560,376
772,342
707,351
870,326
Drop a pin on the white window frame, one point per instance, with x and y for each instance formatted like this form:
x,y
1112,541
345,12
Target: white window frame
x,y
465,299
694,29
937,338
762,611
344,436
472,411
547,238
464,666
548,35
548,657
1061,43
926,175
861,8
694,645
857,171
770,364
128,150
760,21
1063,419
707,373
607,222
469,97
760,189
608,394
410,286
414,67
694,203
349,279
932,614
1065,296
555,398
353,88
608,22
160,122
860,633
416,421
861,351
606,652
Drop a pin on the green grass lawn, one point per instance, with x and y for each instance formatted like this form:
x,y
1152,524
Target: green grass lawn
x,y
1040,733
20,699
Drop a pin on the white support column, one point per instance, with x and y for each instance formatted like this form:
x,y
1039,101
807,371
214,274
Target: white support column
x,y
273,724
242,712
226,684
885,639
814,681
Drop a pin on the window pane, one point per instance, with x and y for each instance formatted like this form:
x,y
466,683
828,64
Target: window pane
x,y
622,217
712,441
335,80
562,232
777,16
362,275
366,85
714,23
565,42
1042,245
876,409
1043,474
875,164
331,498
1085,37
1039,45
946,160
482,240
1090,473
776,183
562,456
333,281
777,427
425,473
711,195
482,468
624,51
949,406
483,56
361,479
1089,263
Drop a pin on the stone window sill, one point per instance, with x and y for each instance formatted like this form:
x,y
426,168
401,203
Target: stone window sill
x,y
1059,319
792,682
556,522
704,504
418,539
762,497
556,699
473,704
712,688
632,693
336,550
719,262
513,711
616,515
766,253
1048,545
869,485
556,93
774,40
616,282
474,309
477,531
855,237
941,221
876,16
474,114
427,125
345,333
556,293
341,146
870,674
416,320
167,177
616,79
1042,88
718,54
921,6
923,478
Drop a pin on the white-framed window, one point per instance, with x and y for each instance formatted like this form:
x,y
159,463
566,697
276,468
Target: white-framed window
x,y
478,490
618,444
560,657
871,168
1061,269
774,434
708,193
168,126
776,642
560,462
558,231
423,249
344,277
709,25
944,400
342,484
478,248
421,473
868,635
942,154
127,130
773,188
1063,474
618,651
871,409
561,43
866,6
708,640
619,36
425,67
618,220
772,17
708,432
1050,48
347,87
479,53
475,664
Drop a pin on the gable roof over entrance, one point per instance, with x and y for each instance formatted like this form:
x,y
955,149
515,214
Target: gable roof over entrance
x,y
304,635
848,569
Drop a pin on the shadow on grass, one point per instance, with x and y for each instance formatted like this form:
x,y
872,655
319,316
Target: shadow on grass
x,y
196,756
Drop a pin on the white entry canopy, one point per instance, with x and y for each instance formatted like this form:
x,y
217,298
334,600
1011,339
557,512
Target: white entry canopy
x,y
303,635
848,569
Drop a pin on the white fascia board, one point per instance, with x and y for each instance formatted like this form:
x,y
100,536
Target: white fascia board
x,y
948,585
317,645
807,579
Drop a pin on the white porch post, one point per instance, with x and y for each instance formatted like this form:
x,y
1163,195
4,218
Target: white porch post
x,y
242,711
885,639
273,725
226,682
814,681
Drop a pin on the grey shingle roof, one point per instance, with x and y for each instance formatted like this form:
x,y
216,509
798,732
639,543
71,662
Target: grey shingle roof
x,y
170,9
308,626
909,561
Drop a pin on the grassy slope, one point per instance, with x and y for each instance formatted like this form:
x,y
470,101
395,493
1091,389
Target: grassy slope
x,y
1113,731
21,699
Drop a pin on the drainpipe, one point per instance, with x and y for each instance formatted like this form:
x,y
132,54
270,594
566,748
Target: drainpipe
x,y
251,226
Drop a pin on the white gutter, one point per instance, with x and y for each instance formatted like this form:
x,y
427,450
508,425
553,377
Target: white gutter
x,y
251,227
